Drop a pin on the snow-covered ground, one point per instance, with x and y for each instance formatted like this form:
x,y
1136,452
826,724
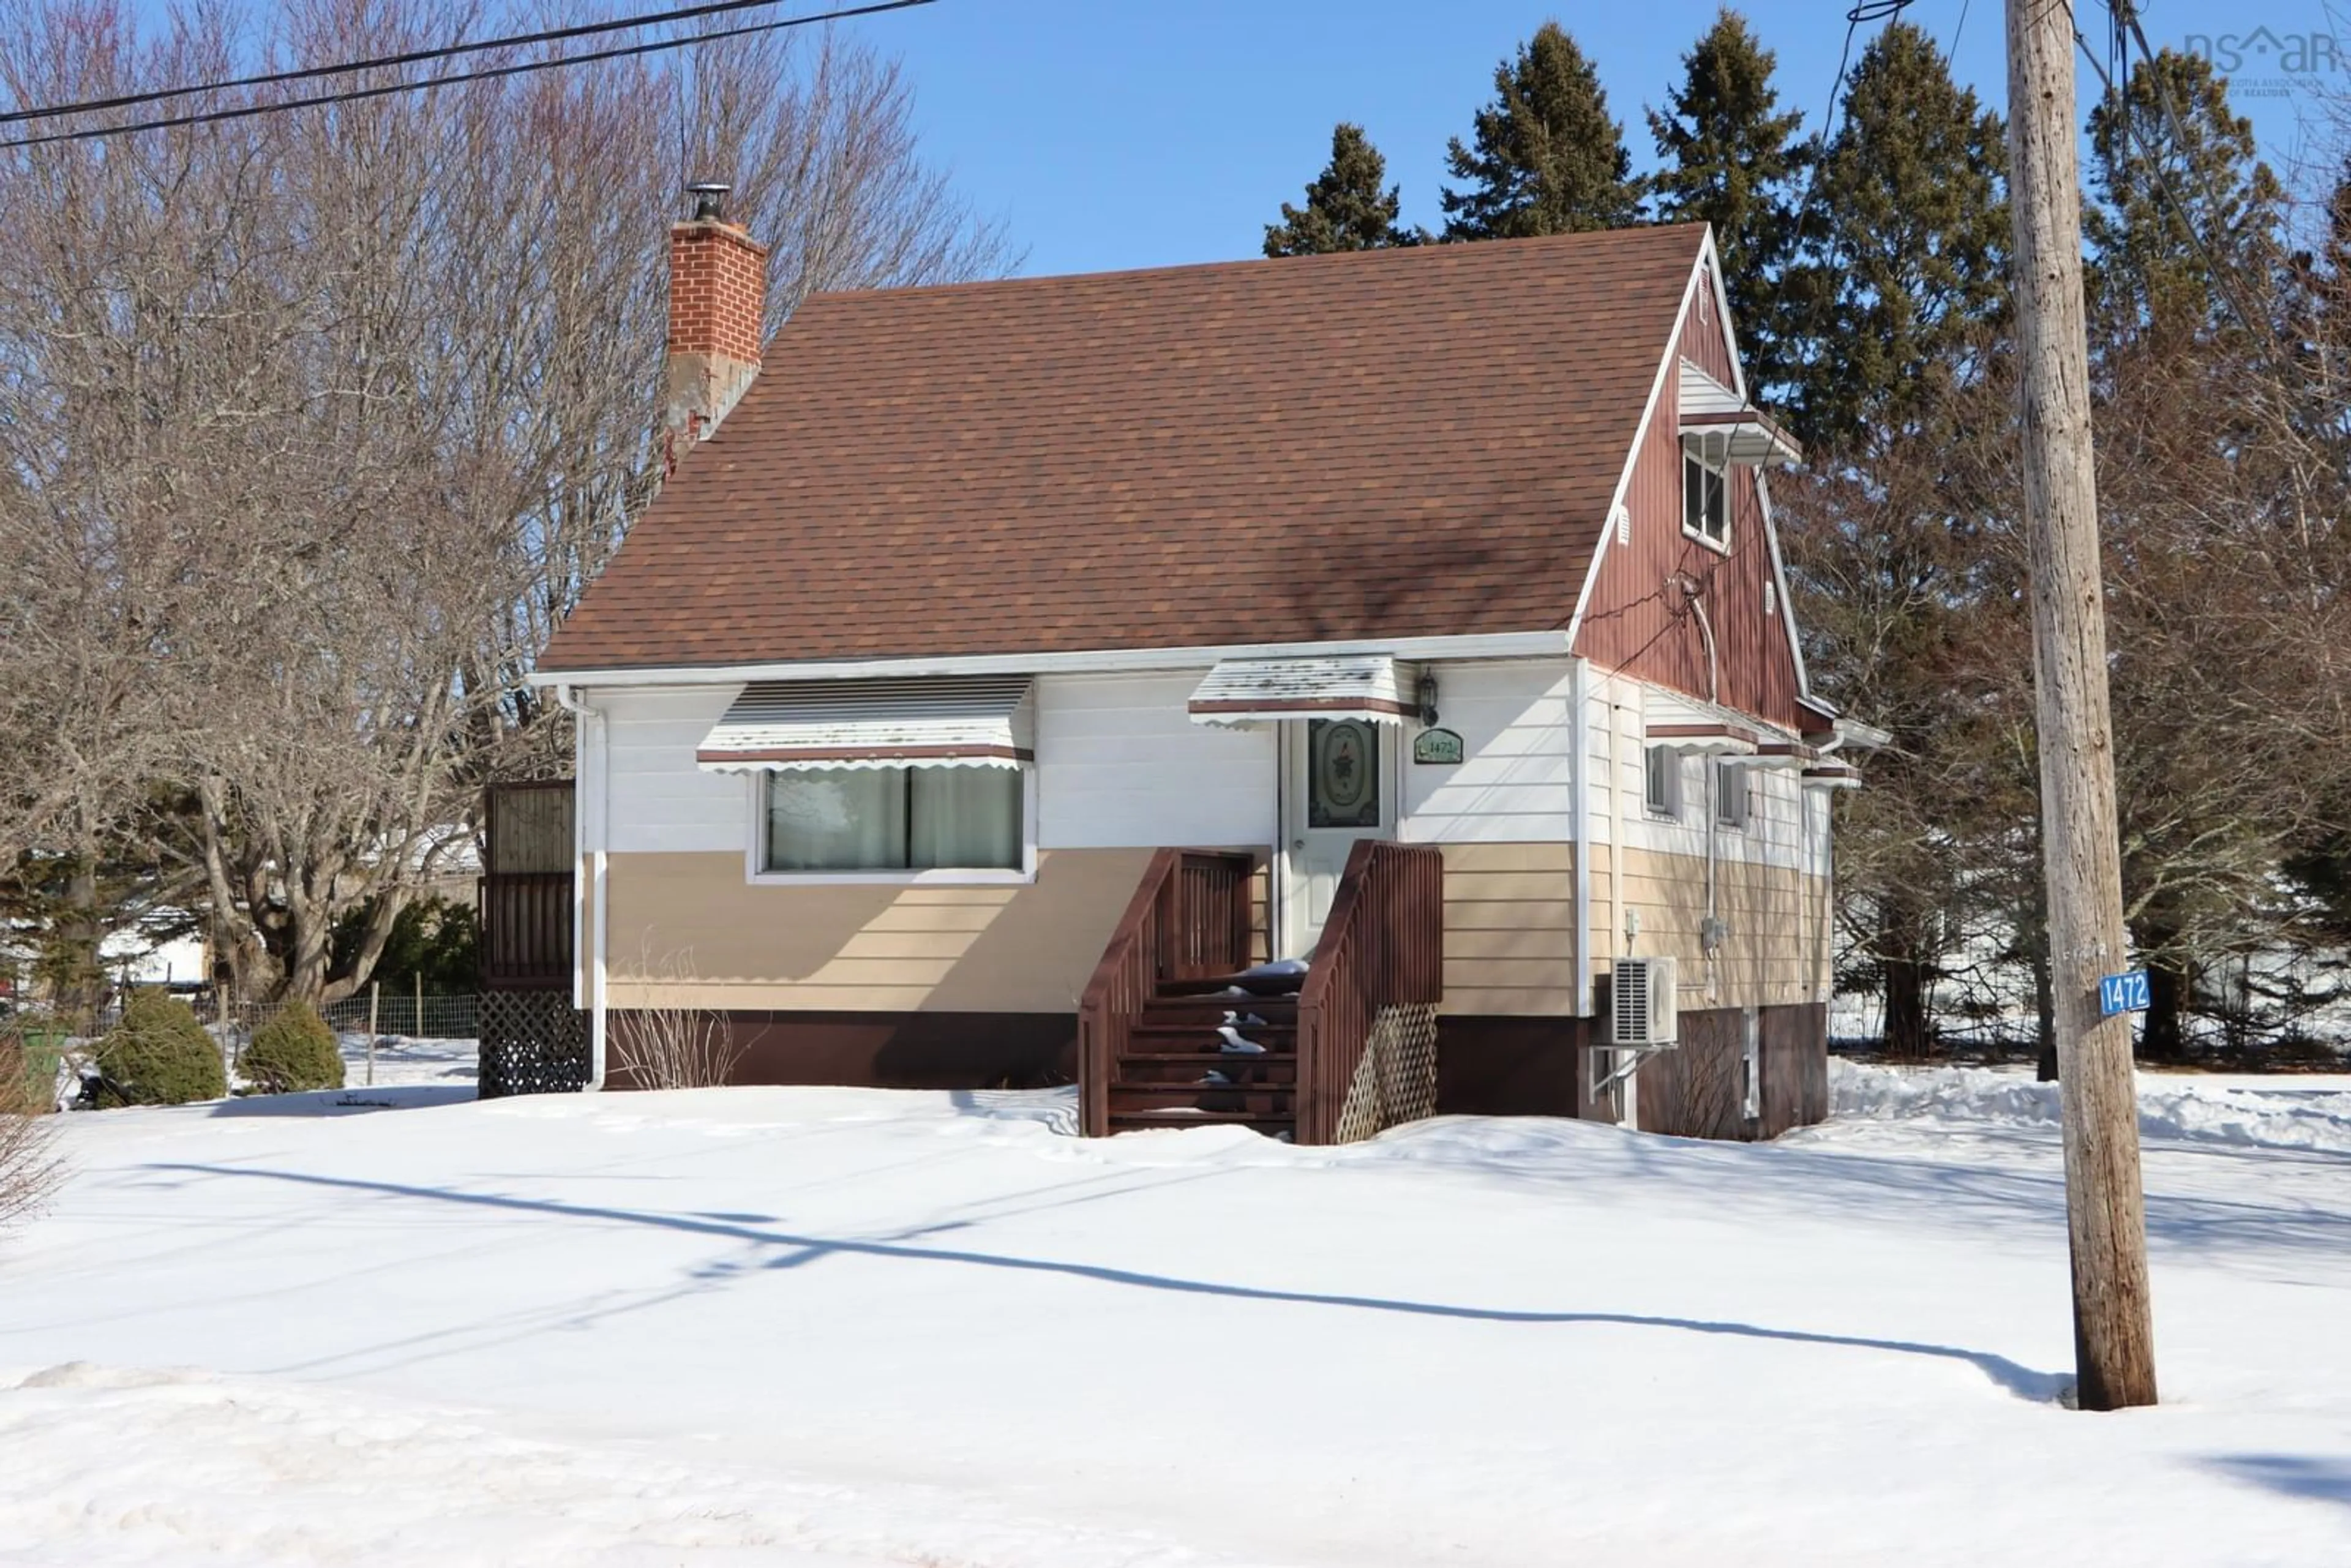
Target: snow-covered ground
x,y
838,1327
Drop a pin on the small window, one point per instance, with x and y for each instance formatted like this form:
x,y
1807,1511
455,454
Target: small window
x,y
1730,802
1706,498
895,818
1665,782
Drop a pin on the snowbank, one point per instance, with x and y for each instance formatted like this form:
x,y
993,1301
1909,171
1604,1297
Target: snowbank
x,y
2288,1116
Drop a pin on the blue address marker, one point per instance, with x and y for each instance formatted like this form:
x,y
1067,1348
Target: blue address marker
x,y
2123,993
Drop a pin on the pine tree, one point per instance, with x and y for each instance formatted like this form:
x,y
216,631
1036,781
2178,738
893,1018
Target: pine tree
x,y
1732,162
1546,158
1906,243
2181,190
1346,209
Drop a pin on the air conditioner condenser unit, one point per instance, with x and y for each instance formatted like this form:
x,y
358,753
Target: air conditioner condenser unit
x,y
1641,1003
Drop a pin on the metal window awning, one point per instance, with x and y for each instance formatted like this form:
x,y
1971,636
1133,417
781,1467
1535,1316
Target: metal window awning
x,y
1262,691
968,721
1696,728
1831,775
1719,426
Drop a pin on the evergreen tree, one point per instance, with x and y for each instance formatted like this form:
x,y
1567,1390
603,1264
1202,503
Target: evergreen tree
x,y
1546,158
1346,209
2176,198
1906,243
1911,615
1729,160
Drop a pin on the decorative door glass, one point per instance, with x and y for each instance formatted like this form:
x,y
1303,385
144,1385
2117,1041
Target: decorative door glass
x,y
1342,773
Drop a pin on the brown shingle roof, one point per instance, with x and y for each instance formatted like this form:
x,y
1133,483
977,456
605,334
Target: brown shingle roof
x,y
1381,445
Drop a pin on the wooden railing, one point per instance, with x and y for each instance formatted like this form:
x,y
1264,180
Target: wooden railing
x,y
1383,946
525,930
1189,919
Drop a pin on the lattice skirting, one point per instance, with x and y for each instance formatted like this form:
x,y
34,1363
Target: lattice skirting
x,y
1396,1081
533,1042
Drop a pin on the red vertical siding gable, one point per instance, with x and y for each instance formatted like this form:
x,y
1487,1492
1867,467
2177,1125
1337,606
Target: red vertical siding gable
x,y
1638,620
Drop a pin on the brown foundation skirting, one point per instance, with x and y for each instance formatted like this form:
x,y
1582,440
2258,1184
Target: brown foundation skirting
x,y
1485,1066
1511,1066
1698,1089
886,1051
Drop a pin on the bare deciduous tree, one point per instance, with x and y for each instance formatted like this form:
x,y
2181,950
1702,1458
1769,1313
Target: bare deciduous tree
x,y
314,423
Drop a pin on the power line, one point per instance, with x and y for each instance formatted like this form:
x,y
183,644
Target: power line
x,y
353,95
1860,12
2224,274
413,56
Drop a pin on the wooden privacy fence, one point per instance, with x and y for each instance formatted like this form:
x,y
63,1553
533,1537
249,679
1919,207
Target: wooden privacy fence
x,y
1367,1015
533,1040
1189,920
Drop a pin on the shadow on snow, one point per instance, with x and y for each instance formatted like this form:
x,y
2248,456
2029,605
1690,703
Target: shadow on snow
x,y
802,1251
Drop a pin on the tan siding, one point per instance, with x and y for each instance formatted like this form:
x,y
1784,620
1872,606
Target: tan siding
x,y
1509,929
1604,936
1028,948
1773,913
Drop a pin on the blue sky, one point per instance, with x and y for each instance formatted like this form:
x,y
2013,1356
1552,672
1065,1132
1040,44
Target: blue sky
x,y
1110,133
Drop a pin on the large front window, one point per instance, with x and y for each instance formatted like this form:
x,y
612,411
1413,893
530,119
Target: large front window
x,y
895,818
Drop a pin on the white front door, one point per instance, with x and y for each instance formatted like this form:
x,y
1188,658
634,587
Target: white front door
x,y
1339,784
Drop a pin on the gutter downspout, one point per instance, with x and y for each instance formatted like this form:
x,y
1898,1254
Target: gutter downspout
x,y
1713,779
1580,790
593,849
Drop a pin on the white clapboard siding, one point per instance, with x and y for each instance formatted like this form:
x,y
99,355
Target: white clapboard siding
x,y
1121,765
1516,782
662,802
1774,835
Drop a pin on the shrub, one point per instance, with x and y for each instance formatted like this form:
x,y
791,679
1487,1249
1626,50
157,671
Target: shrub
x,y
27,1172
292,1051
158,1055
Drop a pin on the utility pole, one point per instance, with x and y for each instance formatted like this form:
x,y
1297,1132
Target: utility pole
x,y
2113,1333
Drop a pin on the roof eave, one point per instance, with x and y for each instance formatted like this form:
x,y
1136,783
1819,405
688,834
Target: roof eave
x,y
1104,661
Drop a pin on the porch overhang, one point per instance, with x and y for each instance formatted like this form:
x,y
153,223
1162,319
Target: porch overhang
x,y
970,721
1263,691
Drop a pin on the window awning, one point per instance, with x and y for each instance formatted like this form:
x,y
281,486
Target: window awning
x,y
970,721
1697,727
1719,426
1831,775
1259,691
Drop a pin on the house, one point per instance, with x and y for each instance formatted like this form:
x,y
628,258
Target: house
x,y
1005,665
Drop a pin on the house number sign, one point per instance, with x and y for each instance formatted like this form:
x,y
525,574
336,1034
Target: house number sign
x,y
1437,746
2123,993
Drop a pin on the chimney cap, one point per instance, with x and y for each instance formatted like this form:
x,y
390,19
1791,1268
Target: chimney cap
x,y
709,200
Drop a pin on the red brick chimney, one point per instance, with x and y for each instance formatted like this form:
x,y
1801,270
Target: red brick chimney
x,y
717,304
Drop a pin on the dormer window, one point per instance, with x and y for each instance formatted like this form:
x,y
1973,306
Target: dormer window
x,y
1705,490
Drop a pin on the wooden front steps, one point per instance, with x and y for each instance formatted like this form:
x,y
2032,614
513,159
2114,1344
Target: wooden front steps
x,y
1173,1044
